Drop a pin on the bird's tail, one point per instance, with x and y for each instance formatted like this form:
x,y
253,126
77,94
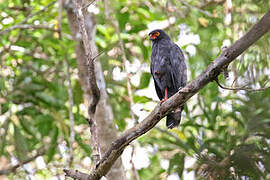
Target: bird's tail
x,y
174,118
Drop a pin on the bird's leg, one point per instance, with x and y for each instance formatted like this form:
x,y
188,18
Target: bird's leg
x,y
166,96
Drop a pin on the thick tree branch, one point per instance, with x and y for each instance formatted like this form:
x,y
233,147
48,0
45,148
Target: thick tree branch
x,y
92,80
76,174
103,115
210,74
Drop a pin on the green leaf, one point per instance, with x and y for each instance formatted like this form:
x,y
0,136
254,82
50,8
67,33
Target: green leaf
x,y
27,126
141,99
44,123
21,146
77,93
177,164
4,127
84,146
122,19
144,81
53,144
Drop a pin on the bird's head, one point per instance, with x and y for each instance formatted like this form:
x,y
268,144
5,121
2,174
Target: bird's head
x,y
158,34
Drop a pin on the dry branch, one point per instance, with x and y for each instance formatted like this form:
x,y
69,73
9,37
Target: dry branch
x,y
59,18
244,88
27,26
71,116
21,24
12,169
194,7
91,79
210,74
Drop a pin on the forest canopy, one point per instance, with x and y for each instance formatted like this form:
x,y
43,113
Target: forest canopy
x,y
44,89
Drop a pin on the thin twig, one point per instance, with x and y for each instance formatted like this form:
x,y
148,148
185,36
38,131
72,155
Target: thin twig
x,y
241,88
170,134
27,26
194,7
115,24
99,54
12,169
71,116
21,24
38,12
86,6
59,18
135,174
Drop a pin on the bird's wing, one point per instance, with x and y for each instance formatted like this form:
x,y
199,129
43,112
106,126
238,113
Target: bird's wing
x,y
179,68
158,90
156,81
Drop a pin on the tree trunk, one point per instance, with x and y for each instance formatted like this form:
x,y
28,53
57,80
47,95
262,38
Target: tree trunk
x,y
104,116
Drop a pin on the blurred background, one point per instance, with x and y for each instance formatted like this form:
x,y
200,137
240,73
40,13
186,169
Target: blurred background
x,y
44,89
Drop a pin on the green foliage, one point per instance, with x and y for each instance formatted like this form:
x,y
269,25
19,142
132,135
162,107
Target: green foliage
x,y
53,144
145,79
21,146
227,133
153,171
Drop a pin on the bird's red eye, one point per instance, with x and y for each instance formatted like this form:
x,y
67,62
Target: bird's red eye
x,y
157,33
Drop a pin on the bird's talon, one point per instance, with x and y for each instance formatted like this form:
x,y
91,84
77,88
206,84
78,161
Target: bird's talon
x,y
163,100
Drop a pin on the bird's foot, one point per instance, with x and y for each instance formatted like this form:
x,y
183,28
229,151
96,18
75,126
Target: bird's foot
x,y
163,100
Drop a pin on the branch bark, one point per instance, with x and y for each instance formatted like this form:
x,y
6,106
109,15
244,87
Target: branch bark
x,y
21,24
106,130
92,81
210,74
11,169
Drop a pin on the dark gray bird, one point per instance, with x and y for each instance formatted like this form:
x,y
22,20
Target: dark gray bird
x,y
169,71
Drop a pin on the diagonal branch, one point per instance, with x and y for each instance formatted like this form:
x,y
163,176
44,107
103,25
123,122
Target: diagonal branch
x,y
38,12
21,24
87,5
212,71
194,7
11,169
